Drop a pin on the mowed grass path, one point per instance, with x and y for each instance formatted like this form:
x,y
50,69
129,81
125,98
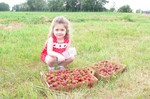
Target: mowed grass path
x,y
96,36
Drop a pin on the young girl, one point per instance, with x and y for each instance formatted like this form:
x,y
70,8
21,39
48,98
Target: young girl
x,y
57,44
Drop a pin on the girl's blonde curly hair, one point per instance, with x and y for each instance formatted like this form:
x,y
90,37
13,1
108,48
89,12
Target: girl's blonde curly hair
x,y
60,20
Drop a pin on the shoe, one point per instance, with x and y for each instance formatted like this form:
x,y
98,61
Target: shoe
x,y
51,68
61,67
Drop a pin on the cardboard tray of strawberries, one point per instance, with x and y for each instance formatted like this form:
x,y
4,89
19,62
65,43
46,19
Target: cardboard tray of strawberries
x,y
66,80
106,69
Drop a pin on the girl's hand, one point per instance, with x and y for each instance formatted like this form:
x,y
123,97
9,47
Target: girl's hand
x,y
60,58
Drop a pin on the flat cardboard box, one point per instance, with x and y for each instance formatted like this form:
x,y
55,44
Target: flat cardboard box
x,y
70,87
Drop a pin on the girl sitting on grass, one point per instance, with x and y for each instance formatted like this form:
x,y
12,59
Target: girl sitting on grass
x,y
58,45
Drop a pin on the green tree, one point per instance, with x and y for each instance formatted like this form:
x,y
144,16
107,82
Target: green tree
x,y
72,5
61,5
4,7
93,5
88,5
21,7
37,5
100,5
76,5
56,5
125,8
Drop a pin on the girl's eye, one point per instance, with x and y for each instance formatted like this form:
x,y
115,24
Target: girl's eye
x,y
62,29
56,29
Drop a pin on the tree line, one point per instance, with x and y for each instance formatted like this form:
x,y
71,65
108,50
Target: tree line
x,y
63,5
4,7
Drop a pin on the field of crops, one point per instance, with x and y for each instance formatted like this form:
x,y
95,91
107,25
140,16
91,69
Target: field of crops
x,y
96,36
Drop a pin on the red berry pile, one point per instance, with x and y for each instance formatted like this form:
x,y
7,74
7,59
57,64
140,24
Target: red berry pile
x,y
106,68
68,77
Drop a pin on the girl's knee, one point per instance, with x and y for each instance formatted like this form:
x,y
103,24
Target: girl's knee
x,y
50,60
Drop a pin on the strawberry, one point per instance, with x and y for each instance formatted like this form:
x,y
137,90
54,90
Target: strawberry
x,y
55,84
64,83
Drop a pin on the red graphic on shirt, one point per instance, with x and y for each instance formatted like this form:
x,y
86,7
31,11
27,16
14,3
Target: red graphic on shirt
x,y
57,47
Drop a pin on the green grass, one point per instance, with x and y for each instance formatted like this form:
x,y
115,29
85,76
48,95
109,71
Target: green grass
x,y
96,36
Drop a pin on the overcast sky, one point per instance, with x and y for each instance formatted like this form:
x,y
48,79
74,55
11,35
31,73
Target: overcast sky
x,y
134,4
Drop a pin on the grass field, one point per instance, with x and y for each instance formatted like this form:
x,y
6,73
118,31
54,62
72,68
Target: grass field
x,y
96,36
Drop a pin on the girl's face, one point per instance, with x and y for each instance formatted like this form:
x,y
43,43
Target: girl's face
x,y
59,31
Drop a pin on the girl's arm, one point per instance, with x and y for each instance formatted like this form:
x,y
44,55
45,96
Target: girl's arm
x,y
51,52
50,48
